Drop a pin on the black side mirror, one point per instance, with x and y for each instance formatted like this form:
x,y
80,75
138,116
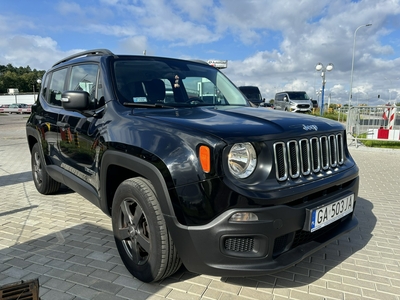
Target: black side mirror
x,y
75,100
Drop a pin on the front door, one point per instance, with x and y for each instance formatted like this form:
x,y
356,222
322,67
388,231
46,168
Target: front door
x,y
79,136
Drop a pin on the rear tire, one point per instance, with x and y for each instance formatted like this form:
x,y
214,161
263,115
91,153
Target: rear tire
x,y
140,232
43,182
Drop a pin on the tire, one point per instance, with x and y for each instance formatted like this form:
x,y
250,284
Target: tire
x,y
43,182
140,232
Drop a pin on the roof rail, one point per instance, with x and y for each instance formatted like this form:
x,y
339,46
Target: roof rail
x,y
200,61
88,52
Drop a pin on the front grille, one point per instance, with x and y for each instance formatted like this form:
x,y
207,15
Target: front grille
x,y
303,106
239,244
306,156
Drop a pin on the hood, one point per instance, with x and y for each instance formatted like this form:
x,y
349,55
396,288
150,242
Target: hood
x,y
230,123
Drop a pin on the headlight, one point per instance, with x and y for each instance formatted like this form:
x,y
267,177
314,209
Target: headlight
x,y
242,160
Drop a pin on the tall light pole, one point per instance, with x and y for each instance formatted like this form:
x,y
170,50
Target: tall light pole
x,y
352,63
320,67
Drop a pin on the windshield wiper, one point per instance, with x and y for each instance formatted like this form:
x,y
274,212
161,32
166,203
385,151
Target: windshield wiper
x,y
146,105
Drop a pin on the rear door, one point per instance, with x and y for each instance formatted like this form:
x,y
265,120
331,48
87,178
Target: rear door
x,y
47,115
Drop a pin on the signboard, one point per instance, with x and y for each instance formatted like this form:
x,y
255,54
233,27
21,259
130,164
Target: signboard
x,y
12,91
219,64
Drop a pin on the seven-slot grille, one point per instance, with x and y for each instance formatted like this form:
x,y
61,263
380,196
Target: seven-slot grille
x,y
306,156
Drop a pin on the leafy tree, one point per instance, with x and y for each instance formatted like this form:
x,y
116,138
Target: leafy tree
x,y
22,78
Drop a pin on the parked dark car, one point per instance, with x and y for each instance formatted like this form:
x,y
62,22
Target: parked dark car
x,y
315,103
252,93
267,105
187,169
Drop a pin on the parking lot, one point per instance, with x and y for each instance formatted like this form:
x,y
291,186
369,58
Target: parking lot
x,y
67,242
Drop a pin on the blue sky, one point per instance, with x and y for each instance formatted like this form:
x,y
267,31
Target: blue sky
x,y
272,44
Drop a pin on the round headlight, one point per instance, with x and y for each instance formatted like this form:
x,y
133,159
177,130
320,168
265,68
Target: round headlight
x,y
242,160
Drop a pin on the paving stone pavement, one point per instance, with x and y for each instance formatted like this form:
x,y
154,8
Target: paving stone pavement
x,y
67,242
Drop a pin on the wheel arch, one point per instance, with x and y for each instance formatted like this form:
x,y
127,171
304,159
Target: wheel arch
x,y
32,137
118,166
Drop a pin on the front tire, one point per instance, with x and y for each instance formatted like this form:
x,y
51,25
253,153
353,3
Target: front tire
x,y
140,232
43,182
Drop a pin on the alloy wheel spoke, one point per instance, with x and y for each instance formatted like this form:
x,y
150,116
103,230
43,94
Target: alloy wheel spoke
x,y
143,242
137,215
135,252
128,218
123,233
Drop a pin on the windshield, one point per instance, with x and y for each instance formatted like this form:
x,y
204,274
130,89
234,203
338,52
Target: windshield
x,y
298,96
175,83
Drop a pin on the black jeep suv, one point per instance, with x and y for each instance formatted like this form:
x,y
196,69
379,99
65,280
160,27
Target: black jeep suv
x,y
187,169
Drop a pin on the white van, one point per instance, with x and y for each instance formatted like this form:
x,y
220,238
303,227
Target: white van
x,y
294,101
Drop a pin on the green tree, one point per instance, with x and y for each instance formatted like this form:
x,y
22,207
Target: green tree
x,y
22,78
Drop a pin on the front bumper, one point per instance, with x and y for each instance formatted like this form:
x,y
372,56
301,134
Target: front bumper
x,y
275,242
296,109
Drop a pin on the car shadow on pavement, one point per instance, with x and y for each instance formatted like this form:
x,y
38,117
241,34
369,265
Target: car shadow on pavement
x,y
24,177
85,256
15,178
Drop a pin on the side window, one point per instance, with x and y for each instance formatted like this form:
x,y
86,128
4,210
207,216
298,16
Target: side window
x,y
57,86
45,84
84,78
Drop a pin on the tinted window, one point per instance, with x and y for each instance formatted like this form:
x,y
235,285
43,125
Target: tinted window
x,y
45,85
298,96
57,86
84,78
251,92
177,83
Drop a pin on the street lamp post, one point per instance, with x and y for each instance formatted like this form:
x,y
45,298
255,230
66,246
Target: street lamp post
x,y
352,63
38,81
320,67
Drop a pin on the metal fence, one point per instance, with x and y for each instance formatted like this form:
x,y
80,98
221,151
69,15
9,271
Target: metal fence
x,y
372,123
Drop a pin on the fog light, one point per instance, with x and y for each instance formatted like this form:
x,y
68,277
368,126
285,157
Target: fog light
x,y
243,217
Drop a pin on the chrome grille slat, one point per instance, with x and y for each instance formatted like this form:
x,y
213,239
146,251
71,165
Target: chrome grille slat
x,y
293,157
315,157
324,152
308,156
305,157
339,141
333,151
280,161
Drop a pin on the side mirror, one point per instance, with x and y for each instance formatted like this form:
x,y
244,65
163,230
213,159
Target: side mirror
x,y
285,98
75,100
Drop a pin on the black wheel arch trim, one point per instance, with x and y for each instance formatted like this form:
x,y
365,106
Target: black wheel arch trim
x,y
141,167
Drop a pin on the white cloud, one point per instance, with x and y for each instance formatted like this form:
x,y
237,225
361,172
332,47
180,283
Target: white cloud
x,y
37,52
135,45
272,44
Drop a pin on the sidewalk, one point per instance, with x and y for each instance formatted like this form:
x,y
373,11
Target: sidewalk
x,y
67,243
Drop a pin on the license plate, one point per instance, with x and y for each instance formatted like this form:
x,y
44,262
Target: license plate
x,y
331,212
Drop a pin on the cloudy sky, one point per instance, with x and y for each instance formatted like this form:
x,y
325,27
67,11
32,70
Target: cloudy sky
x,y
274,45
